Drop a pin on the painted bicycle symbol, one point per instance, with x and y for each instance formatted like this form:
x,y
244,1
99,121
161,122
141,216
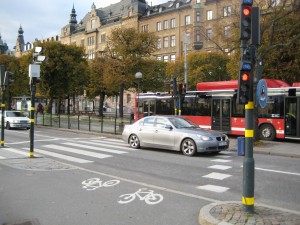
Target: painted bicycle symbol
x,y
144,195
94,183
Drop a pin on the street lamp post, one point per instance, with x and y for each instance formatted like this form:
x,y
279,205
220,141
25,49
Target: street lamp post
x,y
138,76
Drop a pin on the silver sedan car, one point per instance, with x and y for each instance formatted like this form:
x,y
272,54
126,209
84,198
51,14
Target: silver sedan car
x,y
173,133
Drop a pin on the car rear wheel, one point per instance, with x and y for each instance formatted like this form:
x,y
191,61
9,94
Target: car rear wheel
x,y
134,141
8,126
188,147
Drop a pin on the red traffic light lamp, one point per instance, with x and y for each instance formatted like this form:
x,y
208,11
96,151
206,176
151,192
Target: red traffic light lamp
x,y
246,9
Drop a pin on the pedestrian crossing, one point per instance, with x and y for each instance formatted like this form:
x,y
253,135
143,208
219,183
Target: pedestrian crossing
x,y
78,151
220,175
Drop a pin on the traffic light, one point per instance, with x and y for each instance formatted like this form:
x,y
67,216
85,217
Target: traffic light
x,y
180,89
244,85
246,14
183,91
2,73
8,78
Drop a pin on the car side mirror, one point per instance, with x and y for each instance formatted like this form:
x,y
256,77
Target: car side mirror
x,y
168,126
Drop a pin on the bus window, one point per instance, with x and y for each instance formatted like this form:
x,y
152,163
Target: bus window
x,y
273,109
202,106
238,110
164,106
186,108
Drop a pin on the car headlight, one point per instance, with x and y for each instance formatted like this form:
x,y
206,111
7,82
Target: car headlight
x,y
204,138
226,137
15,121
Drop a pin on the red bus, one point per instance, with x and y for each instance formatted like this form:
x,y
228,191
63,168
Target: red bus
x,y
214,106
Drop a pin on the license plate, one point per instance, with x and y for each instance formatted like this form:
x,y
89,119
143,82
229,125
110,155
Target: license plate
x,y
223,143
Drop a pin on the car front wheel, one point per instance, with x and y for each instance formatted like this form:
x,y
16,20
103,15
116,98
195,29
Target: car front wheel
x,y
134,141
188,147
8,126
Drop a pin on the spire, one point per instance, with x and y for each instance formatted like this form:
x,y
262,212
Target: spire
x,y
93,6
20,31
73,16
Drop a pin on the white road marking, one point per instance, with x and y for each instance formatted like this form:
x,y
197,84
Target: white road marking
x,y
116,145
77,151
221,160
217,176
220,167
2,157
214,188
95,148
277,171
224,156
61,156
17,151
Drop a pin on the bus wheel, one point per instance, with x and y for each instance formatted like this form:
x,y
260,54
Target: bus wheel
x,y
267,132
188,147
134,141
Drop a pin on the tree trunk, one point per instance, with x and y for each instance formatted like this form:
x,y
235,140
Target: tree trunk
x,y
121,100
101,102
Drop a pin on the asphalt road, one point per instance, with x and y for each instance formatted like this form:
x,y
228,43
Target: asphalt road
x,y
131,186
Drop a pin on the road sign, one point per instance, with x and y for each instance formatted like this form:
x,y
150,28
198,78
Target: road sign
x,y
262,93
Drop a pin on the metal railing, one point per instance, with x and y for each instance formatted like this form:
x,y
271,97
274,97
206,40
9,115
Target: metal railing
x,y
88,122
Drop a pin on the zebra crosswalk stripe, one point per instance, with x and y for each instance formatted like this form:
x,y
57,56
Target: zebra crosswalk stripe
x,y
94,148
77,151
61,156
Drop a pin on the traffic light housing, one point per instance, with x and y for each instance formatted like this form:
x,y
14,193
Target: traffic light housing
x,y
245,82
2,74
183,91
8,78
246,14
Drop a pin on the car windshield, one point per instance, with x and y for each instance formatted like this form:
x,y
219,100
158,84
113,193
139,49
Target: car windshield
x,y
15,114
182,123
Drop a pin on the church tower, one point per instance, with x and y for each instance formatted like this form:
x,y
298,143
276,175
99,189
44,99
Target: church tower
x,y
19,48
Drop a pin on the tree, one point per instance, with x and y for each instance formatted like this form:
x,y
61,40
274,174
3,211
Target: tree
x,y
65,72
126,47
20,84
280,47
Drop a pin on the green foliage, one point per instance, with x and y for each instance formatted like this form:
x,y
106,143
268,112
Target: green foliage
x,y
65,72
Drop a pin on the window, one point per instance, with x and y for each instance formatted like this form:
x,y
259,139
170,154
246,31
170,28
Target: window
x,y
158,26
198,1
159,43
166,24
128,98
275,3
197,36
149,122
209,15
173,23
158,58
187,38
187,20
227,11
91,54
173,42
91,41
166,42
209,34
82,42
103,38
93,24
166,58
173,58
226,31
160,122
145,27
198,16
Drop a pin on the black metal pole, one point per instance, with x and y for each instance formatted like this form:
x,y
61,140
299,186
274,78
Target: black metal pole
x,y
249,164
33,91
2,117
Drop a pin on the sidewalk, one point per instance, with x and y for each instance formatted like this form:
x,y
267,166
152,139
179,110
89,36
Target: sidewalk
x,y
226,213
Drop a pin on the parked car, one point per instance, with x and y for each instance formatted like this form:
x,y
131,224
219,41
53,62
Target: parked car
x,y
173,133
16,119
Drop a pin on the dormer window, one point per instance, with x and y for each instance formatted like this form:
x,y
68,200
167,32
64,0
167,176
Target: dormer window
x,y
93,24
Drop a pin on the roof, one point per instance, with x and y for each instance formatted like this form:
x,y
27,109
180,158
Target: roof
x,y
233,84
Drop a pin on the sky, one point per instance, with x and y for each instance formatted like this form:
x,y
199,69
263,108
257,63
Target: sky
x,y
42,19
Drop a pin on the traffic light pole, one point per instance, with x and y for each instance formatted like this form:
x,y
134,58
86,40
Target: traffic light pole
x,y
33,91
2,114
